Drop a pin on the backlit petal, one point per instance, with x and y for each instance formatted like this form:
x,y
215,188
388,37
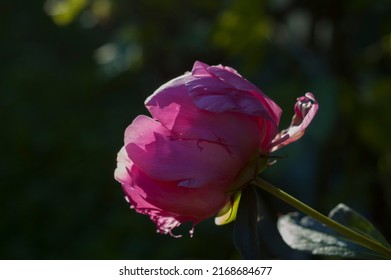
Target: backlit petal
x,y
305,110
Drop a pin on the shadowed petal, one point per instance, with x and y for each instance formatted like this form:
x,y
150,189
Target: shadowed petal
x,y
214,95
167,204
230,90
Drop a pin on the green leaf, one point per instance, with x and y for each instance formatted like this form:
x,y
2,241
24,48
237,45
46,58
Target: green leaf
x,y
352,219
307,234
246,238
229,211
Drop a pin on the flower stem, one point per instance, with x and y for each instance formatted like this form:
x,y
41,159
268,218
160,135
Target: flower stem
x,y
351,234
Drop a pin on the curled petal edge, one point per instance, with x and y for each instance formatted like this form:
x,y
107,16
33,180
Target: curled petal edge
x,y
305,110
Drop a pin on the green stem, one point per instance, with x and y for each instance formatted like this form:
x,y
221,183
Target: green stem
x,y
352,235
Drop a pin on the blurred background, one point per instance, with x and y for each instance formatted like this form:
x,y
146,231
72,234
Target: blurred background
x,y
74,74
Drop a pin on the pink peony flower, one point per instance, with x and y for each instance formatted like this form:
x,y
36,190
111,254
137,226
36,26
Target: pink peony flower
x,y
207,132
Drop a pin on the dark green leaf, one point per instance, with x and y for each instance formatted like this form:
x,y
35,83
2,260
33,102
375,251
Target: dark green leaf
x,y
307,234
350,218
246,238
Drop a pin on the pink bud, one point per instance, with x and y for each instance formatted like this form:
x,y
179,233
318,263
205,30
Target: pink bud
x,y
207,125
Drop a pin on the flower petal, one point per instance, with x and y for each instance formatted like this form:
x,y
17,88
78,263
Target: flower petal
x,y
167,204
200,69
175,109
121,173
233,92
305,110
193,163
214,95
193,203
